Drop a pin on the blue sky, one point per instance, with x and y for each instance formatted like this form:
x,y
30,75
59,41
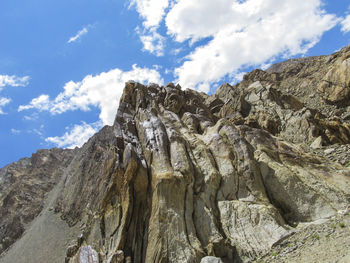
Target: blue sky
x,y
63,64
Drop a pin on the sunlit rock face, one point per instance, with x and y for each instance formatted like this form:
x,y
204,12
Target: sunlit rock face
x,y
186,177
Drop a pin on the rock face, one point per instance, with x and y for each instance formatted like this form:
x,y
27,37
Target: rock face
x,y
23,188
186,177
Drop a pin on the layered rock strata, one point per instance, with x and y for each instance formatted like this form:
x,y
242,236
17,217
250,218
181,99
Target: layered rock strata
x,y
178,178
186,177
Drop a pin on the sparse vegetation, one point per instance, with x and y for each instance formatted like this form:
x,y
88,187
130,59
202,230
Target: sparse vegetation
x,y
315,237
274,254
342,224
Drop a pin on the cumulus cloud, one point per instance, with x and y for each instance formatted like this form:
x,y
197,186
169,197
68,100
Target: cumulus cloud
x,y
237,34
102,91
243,34
76,136
3,102
41,103
152,11
345,25
79,34
152,42
13,81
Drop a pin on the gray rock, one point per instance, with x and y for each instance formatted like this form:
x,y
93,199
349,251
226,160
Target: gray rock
x,y
181,174
117,257
211,260
86,254
317,143
328,151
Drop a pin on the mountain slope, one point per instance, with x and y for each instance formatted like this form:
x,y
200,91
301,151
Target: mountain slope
x,y
186,177
24,186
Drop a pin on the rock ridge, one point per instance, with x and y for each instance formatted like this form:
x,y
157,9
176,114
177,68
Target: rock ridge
x,y
182,176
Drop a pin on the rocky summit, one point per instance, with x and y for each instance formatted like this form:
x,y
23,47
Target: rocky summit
x,y
255,172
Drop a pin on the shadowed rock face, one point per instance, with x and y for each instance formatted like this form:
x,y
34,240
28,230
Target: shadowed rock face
x,y
186,177
23,188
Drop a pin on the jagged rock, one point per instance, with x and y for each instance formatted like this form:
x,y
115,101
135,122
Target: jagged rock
x,y
24,186
86,254
117,257
317,143
253,228
211,260
72,250
335,86
182,176
187,175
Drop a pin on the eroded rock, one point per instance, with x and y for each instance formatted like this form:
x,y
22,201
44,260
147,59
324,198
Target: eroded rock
x,y
186,177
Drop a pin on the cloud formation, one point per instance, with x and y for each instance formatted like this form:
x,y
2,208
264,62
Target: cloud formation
x,y
13,81
237,33
345,25
3,102
152,42
76,136
152,11
78,35
102,91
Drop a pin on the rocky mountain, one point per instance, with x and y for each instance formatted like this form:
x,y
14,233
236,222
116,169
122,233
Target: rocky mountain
x,y
186,177
23,188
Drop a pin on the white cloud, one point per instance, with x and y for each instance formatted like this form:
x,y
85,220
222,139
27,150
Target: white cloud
x,y
41,103
32,117
13,81
76,136
3,102
152,11
102,91
15,131
243,34
152,42
238,33
345,25
78,35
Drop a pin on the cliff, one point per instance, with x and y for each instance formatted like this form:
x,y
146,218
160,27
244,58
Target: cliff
x,y
186,177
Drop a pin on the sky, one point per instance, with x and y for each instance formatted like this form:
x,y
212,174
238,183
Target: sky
x,y
63,64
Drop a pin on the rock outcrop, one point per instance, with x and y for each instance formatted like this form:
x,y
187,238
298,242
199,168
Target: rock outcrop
x,y
24,185
186,177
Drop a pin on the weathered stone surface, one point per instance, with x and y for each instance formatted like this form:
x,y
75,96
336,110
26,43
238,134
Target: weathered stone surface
x,y
211,260
317,143
253,228
335,86
186,177
198,183
86,254
72,250
24,186
117,257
